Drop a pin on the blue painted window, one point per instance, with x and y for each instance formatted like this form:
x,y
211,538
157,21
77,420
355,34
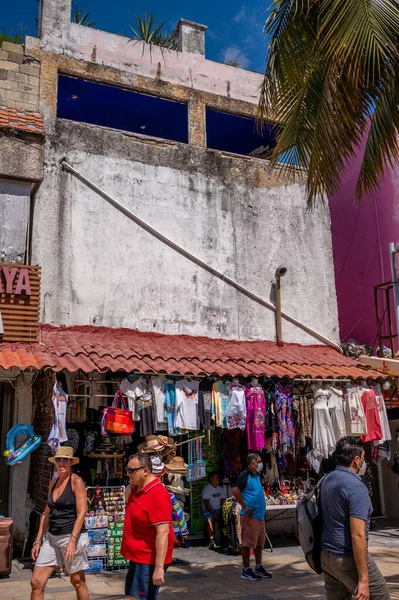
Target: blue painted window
x,y
110,106
239,135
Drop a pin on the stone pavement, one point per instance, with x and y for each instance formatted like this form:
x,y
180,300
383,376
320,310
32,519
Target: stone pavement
x,y
200,574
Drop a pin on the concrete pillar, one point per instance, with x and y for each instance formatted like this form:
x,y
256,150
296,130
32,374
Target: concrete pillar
x,y
197,121
54,18
191,37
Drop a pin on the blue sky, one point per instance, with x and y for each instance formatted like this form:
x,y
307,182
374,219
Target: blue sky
x,y
234,27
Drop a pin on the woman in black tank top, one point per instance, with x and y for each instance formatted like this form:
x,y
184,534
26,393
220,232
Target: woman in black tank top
x,y
62,523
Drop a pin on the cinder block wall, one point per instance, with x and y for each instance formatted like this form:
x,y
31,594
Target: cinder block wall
x,y
19,78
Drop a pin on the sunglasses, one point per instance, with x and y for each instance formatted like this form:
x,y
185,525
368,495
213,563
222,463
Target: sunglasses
x,y
131,471
58,460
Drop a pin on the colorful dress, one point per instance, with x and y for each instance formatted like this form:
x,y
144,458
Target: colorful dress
x,y
170,401
284,418
256,416
236,413
220,403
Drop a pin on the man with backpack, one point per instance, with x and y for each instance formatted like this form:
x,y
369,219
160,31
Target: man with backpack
x,y
349,570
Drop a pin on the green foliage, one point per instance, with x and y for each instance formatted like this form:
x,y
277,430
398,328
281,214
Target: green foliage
x,y
146,31
332,78
82,18
14,39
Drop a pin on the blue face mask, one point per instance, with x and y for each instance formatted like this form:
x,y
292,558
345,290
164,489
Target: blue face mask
x,y
259,467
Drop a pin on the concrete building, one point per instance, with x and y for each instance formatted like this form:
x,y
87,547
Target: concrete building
x,y
172,137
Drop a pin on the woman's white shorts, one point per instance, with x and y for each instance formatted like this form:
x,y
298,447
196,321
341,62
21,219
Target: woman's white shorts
x,y
52,553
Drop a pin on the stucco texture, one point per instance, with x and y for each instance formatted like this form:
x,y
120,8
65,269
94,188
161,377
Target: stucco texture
x,y
233,213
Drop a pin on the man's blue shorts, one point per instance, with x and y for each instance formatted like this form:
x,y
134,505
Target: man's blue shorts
x,y
138,582
209,515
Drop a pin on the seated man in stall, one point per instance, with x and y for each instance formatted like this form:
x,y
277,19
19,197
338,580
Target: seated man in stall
x,y
212,500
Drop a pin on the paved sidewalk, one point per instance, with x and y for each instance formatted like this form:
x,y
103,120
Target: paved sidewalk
x,y
217,578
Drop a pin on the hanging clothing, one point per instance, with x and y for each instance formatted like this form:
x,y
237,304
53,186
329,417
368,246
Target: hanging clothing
x,y
220,403
302,406
205,404
161,415
337,414
382,409
256,416
355,419
170,401
285,418
186,411
271,427
147,421
371,411
128,389
236,413
58,432
323,434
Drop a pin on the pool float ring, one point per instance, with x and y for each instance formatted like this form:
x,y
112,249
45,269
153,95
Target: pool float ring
x,y
17,455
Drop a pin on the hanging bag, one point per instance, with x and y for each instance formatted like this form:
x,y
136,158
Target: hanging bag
x,y
118,421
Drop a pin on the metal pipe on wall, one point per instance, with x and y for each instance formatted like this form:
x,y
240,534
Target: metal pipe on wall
x,y
234,284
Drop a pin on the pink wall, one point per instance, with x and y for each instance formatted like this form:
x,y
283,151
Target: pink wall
x,y
361,235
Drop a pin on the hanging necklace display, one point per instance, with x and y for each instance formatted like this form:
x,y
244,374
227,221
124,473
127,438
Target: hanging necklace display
x,y
201,464
190,469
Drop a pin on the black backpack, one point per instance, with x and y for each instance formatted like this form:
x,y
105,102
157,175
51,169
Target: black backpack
x,y
309,524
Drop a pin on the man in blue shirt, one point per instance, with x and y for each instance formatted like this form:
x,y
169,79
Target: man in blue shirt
x,y
248,492
348,568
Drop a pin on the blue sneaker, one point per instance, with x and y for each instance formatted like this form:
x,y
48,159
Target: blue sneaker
x,y
250,575
261,572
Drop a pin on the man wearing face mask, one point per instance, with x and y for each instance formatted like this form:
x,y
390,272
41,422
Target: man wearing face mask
x,y
348,568
249,493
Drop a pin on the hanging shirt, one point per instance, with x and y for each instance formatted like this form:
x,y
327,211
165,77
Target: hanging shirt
x,y
271,427
323,434
161,415
256,416
205,404
382,409
186,411
170,401
236,413
128,389
337,414
220,403
355,419
371,411
58,432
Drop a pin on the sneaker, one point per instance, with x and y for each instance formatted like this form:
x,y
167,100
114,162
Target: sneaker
x,y
212,545
261,572
250,574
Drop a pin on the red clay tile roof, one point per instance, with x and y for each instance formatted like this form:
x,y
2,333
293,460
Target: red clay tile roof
x,y
21,120
102,348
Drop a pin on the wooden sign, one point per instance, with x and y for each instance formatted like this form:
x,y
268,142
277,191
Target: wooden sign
x,y
19,302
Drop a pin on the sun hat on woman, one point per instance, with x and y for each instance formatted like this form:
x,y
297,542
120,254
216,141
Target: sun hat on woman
x,y
64,452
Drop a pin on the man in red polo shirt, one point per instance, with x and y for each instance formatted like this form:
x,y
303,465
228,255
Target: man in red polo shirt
x,y
148,536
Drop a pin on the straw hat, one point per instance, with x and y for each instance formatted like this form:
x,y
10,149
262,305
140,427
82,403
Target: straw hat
x,y
153,446
64,452
166,441
177,464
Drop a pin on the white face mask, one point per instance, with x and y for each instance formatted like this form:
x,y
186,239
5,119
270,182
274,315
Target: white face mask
x,y
362,469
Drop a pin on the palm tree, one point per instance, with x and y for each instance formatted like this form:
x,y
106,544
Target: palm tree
x,y
81,18
150,33
332,81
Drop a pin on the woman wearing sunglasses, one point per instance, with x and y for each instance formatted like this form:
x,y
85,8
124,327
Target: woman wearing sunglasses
x,y
61,540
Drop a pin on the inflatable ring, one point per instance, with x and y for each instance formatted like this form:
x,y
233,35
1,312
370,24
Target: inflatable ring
x,y
17,455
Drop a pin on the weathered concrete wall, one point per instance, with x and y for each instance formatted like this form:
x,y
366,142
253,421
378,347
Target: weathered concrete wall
x,y
14,219
19,78
233,213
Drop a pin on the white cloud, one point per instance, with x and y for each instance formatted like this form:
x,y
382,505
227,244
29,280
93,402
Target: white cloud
x,y
241,15
235,54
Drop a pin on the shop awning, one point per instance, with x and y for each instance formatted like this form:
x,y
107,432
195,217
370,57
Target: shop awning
x,y
101,349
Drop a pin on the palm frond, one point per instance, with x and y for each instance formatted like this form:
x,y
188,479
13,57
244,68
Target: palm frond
x,y
81,18
146,31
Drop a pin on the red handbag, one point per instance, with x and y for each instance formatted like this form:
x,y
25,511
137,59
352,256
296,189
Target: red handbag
x,y
118,421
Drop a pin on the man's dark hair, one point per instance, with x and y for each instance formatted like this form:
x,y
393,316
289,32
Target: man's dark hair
x,y
143,458
252,458
347,449
212,475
